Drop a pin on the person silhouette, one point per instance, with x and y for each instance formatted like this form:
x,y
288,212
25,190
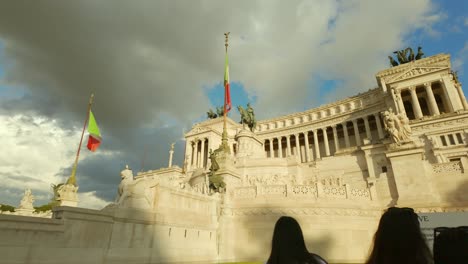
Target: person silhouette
x,y
451,245
399,239
288,246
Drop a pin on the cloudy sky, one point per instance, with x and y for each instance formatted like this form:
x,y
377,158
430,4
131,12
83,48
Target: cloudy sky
x,y
156,67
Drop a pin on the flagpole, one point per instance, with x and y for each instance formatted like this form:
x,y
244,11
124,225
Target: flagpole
x,y
72,179
224,139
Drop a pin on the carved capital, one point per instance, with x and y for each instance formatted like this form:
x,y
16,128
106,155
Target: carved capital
x,y
412,88
427,85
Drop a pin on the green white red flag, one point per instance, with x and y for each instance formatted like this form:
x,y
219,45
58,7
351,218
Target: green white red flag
x,y
94,139
227,92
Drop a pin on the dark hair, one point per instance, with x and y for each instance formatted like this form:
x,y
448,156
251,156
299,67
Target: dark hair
x,y
451,245
287,245
399,239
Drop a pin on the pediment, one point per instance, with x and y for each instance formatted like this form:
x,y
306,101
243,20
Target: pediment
x,y
415,68
413,72
197,130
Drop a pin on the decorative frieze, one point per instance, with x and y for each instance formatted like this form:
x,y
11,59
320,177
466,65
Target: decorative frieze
x,y
300,211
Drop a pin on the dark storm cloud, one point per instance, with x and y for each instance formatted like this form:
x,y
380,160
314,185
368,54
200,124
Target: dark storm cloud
x,y
148,63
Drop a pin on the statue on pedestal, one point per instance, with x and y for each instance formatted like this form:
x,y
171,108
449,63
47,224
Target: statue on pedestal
x,y
247,117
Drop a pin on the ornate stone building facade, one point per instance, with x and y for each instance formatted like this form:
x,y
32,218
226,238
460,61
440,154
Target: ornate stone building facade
x,y
334,168
337,166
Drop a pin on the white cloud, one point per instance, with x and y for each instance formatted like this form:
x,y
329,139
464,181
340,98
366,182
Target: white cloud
x,y
34,150
458,60
90,200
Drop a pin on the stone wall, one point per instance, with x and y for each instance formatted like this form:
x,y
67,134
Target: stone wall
x,y
182,229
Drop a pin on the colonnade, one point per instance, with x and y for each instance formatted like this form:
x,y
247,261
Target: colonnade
x,y
198,153
430,98
312,144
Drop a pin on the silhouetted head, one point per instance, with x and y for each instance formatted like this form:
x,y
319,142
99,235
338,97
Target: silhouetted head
x,y
451,245
288,244
399,239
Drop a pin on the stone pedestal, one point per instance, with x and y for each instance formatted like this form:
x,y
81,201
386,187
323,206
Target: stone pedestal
x,y
68,195
24,211
228,171
411,178
248,144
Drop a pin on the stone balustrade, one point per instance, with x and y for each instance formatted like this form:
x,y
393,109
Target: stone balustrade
x,y
447,167
316,191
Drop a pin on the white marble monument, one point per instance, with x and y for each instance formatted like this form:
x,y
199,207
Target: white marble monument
x,y
334,168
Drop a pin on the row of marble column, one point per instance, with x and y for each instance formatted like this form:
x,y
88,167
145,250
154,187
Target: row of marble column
x,y
433,108
199,155
309,156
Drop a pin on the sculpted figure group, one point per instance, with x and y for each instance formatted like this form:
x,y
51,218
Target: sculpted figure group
x,y
27,201
397,126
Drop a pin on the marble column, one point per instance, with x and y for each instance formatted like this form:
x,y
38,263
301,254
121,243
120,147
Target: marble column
x,y
202,154
208,149
197,157
379,125
297,152
192,156
288,145
307,148
335,138
431,99
346,136
461,95
325,140
356,133
272,154
366,125
280,148
316,144
401,106
415,103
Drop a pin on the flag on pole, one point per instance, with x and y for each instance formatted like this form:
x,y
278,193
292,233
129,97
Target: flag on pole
x,y
227,92
94,139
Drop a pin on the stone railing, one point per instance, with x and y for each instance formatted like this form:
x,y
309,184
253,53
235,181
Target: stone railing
x,y
246,192
335,191
360,194
306,190
315,191
447,167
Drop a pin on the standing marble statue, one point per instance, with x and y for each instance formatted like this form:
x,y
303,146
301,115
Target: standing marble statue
x,y
397,126
391,125
27,201
405,129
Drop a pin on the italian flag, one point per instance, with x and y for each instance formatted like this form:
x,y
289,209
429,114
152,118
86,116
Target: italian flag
x,y
94,139
227,92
